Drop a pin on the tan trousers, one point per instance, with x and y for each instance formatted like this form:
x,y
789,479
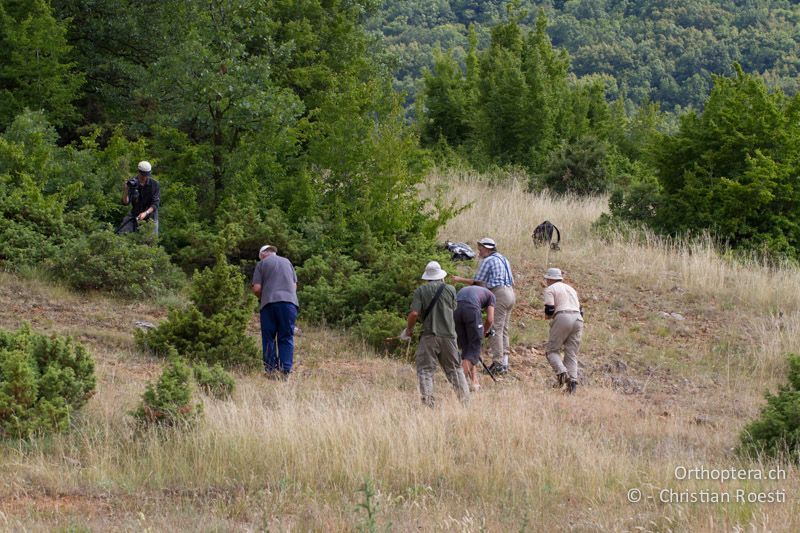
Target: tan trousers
x,y
566,330
441,351
502,319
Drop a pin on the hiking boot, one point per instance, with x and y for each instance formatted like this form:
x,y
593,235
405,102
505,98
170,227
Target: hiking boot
x,y
498,368
572,386
561,380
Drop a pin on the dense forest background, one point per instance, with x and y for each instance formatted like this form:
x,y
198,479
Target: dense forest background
x,y
660,51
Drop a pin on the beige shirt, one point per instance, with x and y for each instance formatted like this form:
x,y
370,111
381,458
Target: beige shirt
x,y
562,297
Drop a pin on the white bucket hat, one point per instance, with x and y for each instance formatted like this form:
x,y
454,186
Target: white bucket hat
x,y
433,272
144,167
554,274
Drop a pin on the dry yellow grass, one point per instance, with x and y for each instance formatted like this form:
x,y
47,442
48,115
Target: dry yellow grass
x,y
293,456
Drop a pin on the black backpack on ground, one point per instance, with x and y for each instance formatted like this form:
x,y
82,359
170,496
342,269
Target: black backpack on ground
x,y
543,235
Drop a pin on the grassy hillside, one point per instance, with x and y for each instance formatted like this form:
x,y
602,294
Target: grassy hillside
x,y
659,393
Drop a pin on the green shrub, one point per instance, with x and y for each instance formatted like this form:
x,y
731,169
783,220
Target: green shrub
x,y
168,402
214,380
576,167
776,433
338,289
213,327
121,264
43,382
32,224
380,330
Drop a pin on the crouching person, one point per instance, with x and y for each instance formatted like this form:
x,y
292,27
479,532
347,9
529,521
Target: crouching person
x,y
561,305
433,306
471,329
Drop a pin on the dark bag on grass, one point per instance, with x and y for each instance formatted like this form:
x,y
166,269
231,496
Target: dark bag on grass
x,y
543,235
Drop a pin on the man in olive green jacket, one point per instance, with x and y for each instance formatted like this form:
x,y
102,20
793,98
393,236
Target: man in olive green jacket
x,y
433,305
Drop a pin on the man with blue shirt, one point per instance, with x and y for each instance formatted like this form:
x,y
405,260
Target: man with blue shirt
x,y
275,283
494,273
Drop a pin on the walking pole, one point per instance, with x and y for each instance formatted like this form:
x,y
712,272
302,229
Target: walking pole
x,y
487,369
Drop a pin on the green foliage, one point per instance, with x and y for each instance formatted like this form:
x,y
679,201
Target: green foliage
x,y
35,71
380,328
214,381
655,51
43,382
338,289
370,508
776,433
447,102
118,264
265,122
213,327
516,105
732,169
577,167
43,208
168,402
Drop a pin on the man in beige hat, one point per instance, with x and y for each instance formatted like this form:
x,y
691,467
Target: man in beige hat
x,y
433,306
561,305
494,273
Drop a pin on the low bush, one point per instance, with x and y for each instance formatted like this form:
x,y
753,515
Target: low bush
x,y
214,381
32,224
213,327
121,264
168,401
380,330
43,382
776,432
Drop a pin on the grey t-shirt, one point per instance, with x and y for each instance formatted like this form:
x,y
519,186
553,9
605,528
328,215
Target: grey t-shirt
x,y
278,280
475,295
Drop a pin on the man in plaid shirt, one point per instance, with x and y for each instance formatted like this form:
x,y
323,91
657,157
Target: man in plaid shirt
x,y
494,273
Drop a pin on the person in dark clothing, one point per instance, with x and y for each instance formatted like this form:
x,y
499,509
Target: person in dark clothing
x,y
470,328
144,195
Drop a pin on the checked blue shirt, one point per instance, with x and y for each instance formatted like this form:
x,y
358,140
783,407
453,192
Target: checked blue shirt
x,y
495,271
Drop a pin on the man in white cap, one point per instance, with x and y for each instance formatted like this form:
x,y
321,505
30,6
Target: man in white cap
x,y
275,284
144,195
494,273
561,305
433,305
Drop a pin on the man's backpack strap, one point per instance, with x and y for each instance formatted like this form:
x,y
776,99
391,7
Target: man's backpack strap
x,y
431,305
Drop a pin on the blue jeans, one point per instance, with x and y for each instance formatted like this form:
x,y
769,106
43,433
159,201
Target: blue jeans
x,y
277,320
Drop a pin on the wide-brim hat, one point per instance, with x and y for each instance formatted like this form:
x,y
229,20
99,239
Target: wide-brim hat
x,y
433,272
486,242
554,274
